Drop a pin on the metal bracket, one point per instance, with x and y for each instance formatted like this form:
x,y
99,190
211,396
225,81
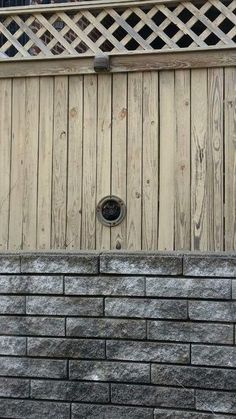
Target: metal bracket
x,y
101,63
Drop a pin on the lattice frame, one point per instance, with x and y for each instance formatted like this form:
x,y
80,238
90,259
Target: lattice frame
x,y
118,29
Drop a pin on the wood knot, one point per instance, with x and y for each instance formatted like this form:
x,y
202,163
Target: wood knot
x,y
122,114
73,112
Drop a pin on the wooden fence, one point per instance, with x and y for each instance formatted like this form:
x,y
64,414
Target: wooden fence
x,y
165,142
158,130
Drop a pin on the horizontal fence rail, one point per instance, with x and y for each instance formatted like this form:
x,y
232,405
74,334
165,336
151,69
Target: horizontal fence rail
x,y
101,27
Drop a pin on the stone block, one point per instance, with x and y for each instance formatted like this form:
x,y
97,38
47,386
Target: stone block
x,y
222,356
208,378
234,289
64,306
216,401
213,265
212,311
27,367
140,263
11,345
89,411
66,348
152,396
148,351
190,332
32,326
110,285
183,414
60,263
203,288
9,263
106,328
14,387
110,371
31,284
31,409
146,308
70,391
12,304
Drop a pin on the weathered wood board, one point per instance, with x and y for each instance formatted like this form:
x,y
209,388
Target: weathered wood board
x,y
163,141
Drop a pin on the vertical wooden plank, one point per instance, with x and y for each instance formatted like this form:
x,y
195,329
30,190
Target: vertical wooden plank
x,y
45,163
119,154
89,163
199,134
230,159
134,163
182,163
17,164
150,160
167,162
59,190
215,158
30,164
5,158
75,149
103,233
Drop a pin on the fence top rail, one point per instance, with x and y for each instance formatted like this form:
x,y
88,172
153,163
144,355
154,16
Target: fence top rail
x,y
90,4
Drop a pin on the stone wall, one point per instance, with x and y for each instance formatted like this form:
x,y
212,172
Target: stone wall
x,y
117,336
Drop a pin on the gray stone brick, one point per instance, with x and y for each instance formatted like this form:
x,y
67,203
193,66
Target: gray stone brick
x,y
64,306
213,265
148,351
30,409
189,288
12,304
152,396
209,378
9,263
110,371
212,311
14,387
89,411
216,401
190,332
140,263
31,284
222,356
70,391
177,414
234,289
105,286
27,367
60,262
106,328
10,345
66,348
146,308
32,326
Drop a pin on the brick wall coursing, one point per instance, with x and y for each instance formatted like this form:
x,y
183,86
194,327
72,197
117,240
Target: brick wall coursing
x,y
117,336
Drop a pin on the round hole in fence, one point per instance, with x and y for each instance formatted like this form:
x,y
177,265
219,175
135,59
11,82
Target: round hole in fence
x,y
111,211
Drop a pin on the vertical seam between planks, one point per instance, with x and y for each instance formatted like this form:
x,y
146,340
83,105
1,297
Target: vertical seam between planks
x,y
159,147
10,167
141,161
111,142
223,157
190,159
67,157
96,148
53,131
82,160
37,200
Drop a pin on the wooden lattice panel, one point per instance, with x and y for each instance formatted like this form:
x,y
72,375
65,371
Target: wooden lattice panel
x,y
142,26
